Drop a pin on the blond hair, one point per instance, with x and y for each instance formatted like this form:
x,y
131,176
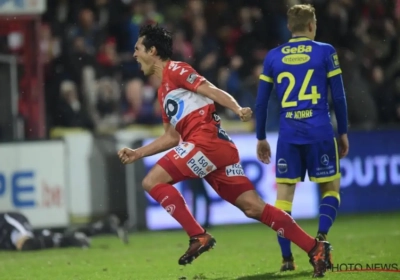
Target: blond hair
x,y
299,16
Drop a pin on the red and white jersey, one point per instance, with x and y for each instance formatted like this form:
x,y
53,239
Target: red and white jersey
x,y
183,108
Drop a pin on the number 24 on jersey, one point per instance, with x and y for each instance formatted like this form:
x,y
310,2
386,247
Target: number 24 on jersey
x,y
314,96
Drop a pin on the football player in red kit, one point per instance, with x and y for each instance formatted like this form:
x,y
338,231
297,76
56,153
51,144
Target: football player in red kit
x,y
206,151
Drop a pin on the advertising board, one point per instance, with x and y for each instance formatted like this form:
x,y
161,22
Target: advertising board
x,y
33,182
371,173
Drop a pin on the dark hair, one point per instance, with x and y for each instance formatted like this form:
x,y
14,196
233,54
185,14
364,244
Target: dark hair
x,y
158,37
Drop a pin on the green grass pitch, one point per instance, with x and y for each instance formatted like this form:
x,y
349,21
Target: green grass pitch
x,y
242,252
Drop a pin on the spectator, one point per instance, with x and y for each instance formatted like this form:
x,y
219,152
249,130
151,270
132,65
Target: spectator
x,y
183,50
107,58
205,49
70,111
79,57
139,106
88,30
107,106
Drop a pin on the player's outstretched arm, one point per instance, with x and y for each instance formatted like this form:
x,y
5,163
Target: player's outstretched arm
x,y
223,98
168,140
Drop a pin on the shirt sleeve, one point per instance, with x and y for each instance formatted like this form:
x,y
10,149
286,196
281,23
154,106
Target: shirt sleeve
x,y
184,76
334,74
266,74
265,87
332,62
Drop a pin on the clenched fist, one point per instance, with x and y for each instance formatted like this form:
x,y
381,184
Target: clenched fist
x,y
245,114
127,155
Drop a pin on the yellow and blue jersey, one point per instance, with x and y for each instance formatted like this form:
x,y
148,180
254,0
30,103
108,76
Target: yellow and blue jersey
x,y
302,71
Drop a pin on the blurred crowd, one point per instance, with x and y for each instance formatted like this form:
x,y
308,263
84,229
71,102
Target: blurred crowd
x,y
92,81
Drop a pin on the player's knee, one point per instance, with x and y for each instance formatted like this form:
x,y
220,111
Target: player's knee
x,y
252,212
157,175
148,183
285,192
251,204
332,186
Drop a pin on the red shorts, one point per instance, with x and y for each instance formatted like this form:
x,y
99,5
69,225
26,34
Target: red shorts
x,y
219,164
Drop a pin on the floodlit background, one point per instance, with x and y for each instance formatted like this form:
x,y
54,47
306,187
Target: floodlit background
x,y
71,95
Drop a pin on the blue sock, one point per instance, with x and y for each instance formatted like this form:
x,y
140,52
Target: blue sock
x,y
328,210
283,242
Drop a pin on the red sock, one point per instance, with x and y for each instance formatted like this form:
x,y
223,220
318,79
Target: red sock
x,y
286,227
174,203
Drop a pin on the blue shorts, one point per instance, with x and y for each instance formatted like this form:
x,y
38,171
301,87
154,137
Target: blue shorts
x,y
320,160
